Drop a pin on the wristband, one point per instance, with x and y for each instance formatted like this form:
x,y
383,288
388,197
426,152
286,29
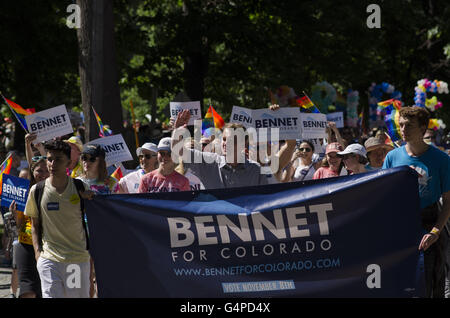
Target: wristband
x,y
435,231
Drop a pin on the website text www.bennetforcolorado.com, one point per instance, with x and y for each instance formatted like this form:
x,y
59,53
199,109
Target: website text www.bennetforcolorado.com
x,y
286,266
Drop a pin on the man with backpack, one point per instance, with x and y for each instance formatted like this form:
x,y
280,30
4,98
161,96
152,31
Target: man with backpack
x,y
55,206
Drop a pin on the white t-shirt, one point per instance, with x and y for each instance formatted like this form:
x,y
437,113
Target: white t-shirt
x,y
302,172
131,181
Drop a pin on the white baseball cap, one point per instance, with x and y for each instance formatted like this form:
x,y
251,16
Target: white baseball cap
x,y
148,146
354,148
164,144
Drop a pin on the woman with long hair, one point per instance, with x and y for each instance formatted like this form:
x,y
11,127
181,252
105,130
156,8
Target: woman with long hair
x,y
332,165
94,172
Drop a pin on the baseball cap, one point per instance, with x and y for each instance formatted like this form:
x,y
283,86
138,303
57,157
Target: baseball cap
x,y
354,148
148,146
164,144
76,141
333,147
93,150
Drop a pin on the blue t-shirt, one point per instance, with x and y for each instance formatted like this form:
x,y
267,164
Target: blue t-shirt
x,y
433,167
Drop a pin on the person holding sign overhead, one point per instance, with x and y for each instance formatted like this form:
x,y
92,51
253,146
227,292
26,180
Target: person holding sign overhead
x,y
305,168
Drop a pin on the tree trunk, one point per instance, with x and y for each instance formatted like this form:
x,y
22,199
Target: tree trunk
x,y
98,68
195,68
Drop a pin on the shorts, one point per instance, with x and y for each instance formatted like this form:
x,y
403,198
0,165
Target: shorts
x,y
64,280
26,264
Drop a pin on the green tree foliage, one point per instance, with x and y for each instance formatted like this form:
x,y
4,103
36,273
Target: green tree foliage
x,y
229,52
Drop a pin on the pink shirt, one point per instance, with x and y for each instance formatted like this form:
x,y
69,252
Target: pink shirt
x,y
156,182
325,172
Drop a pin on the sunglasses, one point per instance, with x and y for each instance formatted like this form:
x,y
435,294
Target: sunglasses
x,y
146,156
37,158
87,158
305,149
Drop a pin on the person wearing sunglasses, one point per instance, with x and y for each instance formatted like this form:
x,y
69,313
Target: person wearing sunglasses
x,y
165,178
148,161
303,166
94,172
355,158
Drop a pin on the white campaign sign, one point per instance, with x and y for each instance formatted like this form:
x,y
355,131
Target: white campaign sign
x,y
243,116
313,125
193,107
115,148
286,119
49,123
337,117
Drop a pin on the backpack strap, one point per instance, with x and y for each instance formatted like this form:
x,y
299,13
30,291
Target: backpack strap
x,y
38,193
80,189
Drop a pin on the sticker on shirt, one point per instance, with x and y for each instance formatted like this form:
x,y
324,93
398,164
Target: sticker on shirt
x,y
74,199
53,206
423,179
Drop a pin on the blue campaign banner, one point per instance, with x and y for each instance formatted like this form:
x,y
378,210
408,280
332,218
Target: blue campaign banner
x,y
14,188
354,236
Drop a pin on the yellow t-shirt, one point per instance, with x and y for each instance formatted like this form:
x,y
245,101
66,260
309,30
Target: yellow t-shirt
x,y
25,229
63,237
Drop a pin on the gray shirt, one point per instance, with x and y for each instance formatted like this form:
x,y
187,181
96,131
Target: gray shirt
x,y
215,173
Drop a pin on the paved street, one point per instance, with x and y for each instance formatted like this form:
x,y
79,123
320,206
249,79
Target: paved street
x,y
5,280
5,274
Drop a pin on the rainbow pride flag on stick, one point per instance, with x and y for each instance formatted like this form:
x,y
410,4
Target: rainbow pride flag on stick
x,y
392,108
307,104
5,168
117,174
212,120
104,131
19,112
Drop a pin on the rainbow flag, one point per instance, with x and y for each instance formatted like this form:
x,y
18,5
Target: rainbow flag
x,y
104,131
392,107
388,141
212,120
5,168
306,103
18,112
117,174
